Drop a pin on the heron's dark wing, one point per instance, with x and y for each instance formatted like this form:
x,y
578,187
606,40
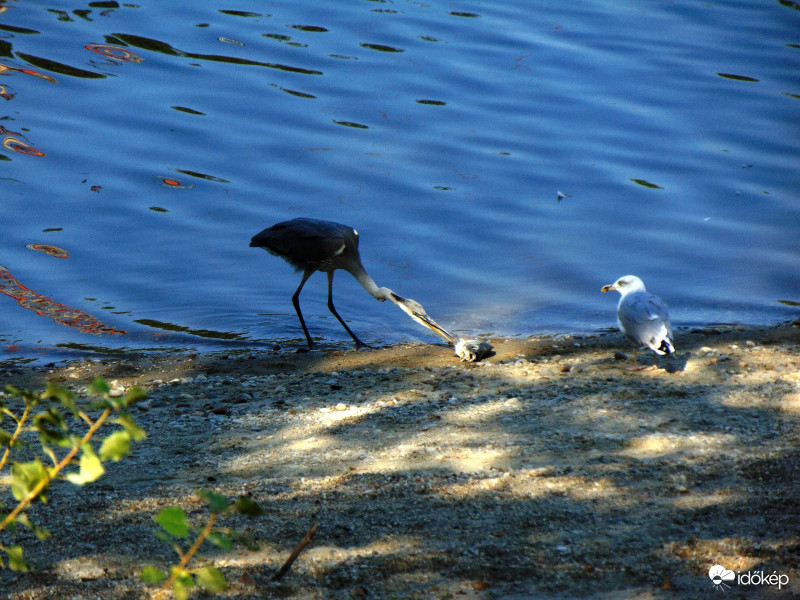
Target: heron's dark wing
x,y
644,319
306,243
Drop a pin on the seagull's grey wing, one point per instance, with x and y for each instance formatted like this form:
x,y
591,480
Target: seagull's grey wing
x,y
645,320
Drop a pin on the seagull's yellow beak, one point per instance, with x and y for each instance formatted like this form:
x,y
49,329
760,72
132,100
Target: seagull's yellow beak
x,y
607,288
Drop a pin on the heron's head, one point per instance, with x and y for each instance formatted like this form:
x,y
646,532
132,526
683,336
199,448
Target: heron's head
x,y
625,285
414,310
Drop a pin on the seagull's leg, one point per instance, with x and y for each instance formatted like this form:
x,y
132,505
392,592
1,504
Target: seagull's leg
x,y
359,343
635,358
296,301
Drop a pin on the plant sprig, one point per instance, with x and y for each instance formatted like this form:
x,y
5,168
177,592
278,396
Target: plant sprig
x,y
42,414
176,530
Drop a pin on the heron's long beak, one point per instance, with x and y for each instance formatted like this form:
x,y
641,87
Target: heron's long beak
x,y
607,288
414,310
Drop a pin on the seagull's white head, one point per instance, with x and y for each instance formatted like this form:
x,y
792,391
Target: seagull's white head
x,y
625,285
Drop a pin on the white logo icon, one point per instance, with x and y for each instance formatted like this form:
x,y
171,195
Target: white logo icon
x,y
719,575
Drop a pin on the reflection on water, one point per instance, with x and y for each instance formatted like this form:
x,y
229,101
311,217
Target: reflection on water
x,y
45,307
647,184
12,141
113,52
204,333
54,251
55,67
164,48
17,145
232,42
174,183
5,69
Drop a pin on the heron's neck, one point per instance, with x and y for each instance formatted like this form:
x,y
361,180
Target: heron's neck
x,y
379,293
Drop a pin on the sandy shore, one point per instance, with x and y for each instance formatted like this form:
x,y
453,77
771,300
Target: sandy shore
x,y
550,470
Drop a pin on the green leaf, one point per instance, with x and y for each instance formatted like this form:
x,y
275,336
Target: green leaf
x,y
133,395
15,560
153,576
137,433
63,395
179,591
210,579
98,387
220,540
27,396
91,469
164,537
116,446
246,506
25,477
183,582
52,428
173,520
216,502
41,534
5,438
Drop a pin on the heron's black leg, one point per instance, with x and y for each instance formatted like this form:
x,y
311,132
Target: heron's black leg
x,y
296,302
359,343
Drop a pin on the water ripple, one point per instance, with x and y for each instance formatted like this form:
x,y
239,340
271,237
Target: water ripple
x,y
164,48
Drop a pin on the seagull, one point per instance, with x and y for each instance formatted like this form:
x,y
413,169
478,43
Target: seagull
x,y
642,317
311,245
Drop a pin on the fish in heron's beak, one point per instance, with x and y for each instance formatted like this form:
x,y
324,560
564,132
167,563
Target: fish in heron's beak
x,y
414,310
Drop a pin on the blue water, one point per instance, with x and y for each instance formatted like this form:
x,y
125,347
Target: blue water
x,y
501,161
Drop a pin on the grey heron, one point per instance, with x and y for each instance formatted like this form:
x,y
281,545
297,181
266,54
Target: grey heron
x,y
642,316
311,245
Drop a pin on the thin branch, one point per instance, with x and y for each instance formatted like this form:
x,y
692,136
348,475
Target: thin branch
x,y
55,470
47,450
11,414
295,553
85,417
20,423
185,558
